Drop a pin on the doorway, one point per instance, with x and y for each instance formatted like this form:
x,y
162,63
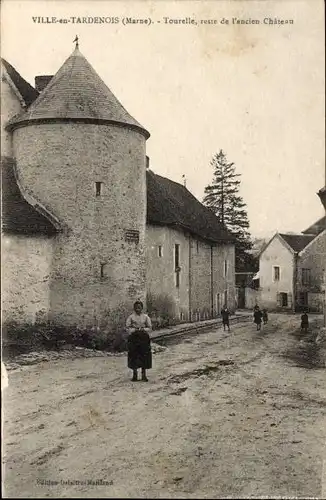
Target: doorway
x,y
284,299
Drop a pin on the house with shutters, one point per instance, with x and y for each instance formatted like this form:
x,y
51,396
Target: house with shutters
x,y
87,226
291,271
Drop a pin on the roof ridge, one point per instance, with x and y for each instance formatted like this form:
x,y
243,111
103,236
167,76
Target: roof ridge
x,y
295,234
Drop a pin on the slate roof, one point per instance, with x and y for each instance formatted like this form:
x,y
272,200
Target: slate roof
x,y
317,227
168,204
28,93
298,241
76,92
17,215
171,204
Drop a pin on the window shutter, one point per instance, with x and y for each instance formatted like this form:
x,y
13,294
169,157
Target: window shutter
x,y
290,299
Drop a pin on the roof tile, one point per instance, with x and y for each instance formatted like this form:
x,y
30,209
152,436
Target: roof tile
x,y
298,241
170,203
17,215
77,92
28,93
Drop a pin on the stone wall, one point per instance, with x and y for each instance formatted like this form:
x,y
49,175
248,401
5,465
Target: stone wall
x,y
97,269
199,290
224,282
26,278
312,258
160,267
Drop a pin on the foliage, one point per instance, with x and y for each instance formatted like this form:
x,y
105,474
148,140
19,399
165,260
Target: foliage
x,y
222,197
110,335
160,308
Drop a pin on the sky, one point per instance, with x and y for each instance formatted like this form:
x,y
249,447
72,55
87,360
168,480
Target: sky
x,y
256,91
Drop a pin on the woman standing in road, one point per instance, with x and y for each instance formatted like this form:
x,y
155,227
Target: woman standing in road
x,y
138,326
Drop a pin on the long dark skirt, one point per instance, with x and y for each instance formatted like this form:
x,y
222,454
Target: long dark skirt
x,y
257,318
139,351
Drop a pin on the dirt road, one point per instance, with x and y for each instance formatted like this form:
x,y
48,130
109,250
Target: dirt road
x,y
236,414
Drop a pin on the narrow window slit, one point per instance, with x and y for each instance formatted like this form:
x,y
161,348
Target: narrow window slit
x,y
98,188
103,270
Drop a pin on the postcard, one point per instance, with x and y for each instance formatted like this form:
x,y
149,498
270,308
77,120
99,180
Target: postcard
x,y
163,249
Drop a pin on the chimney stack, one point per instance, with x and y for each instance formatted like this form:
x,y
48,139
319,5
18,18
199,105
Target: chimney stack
x,y
42,81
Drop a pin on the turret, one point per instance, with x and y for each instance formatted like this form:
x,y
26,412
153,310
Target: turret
x,y
83,158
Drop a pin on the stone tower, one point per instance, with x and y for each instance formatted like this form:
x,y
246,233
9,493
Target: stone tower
x,y
82,157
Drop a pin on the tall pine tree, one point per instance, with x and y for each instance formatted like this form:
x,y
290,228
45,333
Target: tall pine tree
x,y
222,197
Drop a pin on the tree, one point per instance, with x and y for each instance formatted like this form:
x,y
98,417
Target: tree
x,y
222,197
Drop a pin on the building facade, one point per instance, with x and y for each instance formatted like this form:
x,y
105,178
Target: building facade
x,y
291,271
87,229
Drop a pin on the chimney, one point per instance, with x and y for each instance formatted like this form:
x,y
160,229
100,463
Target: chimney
x,y
42,81
147,162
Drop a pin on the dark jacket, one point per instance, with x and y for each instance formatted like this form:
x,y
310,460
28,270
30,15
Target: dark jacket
x,y
225,313
304,319
257,316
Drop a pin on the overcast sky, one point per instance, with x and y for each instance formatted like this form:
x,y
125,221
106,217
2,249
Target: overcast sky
x,y
255,90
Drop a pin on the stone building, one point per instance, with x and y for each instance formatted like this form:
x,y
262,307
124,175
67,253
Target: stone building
x,y
87,227
291,272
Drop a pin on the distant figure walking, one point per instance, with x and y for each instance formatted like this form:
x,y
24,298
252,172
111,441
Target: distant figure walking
x,y
265,316
304,322
138,326
225,313
257,317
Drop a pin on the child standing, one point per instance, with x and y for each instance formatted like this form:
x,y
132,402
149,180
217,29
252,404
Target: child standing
x,y
257,317
138,326
225,313
304,322
265,316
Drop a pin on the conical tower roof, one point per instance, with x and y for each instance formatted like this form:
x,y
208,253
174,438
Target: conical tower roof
x,y
76,92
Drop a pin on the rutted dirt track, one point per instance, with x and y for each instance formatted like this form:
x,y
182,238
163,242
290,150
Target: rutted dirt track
x,y
236,414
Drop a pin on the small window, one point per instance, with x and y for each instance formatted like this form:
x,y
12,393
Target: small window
x,y
98,188
103,270
197,246
177,279
177,264
160,251
225,268
306,276
177,257
276,273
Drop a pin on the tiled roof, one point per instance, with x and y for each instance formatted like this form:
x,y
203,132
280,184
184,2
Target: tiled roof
x,y
17,215
76,92
168,203
317,227
298,241
171,204
28,93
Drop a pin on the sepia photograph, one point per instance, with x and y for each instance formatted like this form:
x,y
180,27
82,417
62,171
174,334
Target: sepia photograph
x,y
163,249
